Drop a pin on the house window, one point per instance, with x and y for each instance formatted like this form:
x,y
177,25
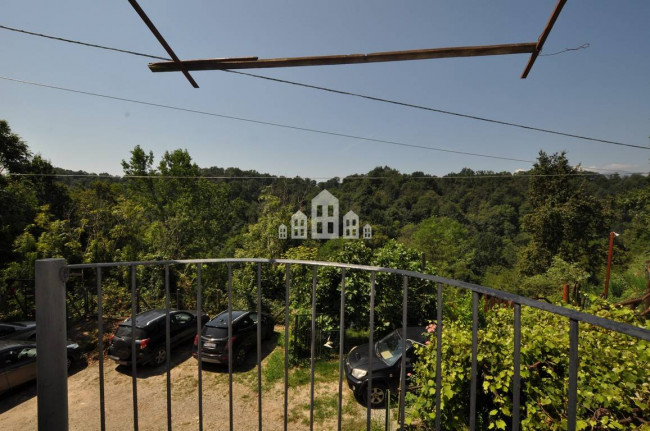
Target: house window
x,y
330,210
354,222
330,227
347,232
319,226
354,232
347,222
319,211
302,232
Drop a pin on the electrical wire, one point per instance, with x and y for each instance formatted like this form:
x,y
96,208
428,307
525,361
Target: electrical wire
x,y
280,177
279,125
373,98
265,123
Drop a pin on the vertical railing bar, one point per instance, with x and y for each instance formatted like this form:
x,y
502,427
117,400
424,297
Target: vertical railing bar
x,y
371,351
134,379
286,344
402,377
229,344
199,299
472,390
439,358
100,323
573,376
168,349
341,352
313,348
516,378
259,346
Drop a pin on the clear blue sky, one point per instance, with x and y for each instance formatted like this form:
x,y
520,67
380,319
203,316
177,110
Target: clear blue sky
x,y
602,91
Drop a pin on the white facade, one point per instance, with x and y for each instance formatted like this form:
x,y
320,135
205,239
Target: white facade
x,y
299,225
324,216
367,232
282,232
351,225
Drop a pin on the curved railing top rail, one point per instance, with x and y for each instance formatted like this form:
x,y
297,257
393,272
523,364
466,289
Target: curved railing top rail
x,y
570,313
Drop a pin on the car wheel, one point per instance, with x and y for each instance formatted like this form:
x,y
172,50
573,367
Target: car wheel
x,y
378,395
159,356
240,356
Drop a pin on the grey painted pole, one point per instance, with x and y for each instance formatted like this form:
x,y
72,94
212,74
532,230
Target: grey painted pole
x,y
52,381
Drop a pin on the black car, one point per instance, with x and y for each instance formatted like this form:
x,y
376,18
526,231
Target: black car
x,y
385,363
150,335
18,361
214,337
24,330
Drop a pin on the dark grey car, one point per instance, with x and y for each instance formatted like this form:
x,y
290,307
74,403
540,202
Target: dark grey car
x,y
23,330
385,363
150,335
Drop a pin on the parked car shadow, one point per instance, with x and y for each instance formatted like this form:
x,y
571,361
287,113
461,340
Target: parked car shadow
x,y
268,346
179,354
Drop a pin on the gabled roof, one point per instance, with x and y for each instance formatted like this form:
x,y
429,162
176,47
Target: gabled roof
x,y
350,214
324,196
298,214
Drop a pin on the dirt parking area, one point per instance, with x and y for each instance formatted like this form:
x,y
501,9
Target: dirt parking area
x,y
18,408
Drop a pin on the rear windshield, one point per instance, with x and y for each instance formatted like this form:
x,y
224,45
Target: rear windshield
x,y
215,332
125,331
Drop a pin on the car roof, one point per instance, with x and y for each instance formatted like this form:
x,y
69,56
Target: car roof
x,y
20,324
146,317
221,320
7,344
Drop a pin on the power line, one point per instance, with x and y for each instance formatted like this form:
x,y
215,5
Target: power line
x,y
285,126
279,177
352,94
92,45
265,123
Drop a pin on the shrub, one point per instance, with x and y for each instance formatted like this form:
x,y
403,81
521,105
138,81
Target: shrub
x,y
613,378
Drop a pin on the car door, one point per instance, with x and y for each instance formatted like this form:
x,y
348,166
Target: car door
x,y
17,366
182,326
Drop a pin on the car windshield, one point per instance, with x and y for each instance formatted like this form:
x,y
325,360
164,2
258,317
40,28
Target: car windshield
x,y
389,348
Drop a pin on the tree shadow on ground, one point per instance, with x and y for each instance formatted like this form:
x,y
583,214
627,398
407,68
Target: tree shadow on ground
x,y
268,346
179,354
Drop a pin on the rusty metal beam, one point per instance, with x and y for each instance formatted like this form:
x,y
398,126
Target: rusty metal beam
x,y
419,54
163,42
544,35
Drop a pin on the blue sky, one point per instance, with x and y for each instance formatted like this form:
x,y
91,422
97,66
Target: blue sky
x,y
602,91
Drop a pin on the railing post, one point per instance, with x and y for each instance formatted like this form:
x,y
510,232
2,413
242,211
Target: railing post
x,y
52,382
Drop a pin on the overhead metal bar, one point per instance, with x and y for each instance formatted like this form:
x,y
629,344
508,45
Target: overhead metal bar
x,y
328,60
542,38
163,42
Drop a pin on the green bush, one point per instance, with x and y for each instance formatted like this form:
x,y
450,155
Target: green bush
x,y
613,376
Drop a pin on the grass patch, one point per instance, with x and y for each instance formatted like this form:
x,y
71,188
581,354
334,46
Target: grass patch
x,y
274,369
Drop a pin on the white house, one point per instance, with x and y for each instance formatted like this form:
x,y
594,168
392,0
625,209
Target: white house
x,y
367,232
351,225
324,216
282,232
299,225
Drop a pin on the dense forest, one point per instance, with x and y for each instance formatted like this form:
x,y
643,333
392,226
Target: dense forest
x,y
528,232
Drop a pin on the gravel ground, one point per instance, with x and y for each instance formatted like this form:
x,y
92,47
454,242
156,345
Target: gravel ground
x,y
18,408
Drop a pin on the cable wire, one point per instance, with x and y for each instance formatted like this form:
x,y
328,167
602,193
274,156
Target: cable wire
x,y
266,123
280,177
363,96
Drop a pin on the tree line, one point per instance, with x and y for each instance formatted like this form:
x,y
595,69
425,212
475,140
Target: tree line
x,y
526,232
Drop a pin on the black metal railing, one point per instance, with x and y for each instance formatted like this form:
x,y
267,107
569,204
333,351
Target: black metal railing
x,y
47,280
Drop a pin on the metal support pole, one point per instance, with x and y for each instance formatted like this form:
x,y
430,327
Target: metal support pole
x,y
609,262
52,382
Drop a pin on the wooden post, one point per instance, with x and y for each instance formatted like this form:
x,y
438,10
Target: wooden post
x,y
565,293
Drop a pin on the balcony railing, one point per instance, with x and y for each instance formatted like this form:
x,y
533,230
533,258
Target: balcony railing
x,y
51,336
